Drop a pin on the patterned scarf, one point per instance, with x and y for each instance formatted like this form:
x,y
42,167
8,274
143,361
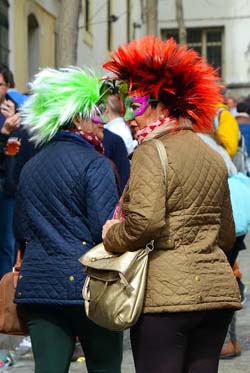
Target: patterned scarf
x,y
163,126
144,132
93,140
90,138
118,213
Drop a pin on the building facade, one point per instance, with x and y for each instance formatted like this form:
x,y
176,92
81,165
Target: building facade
x,y
29,31
104,25
32,26
218,29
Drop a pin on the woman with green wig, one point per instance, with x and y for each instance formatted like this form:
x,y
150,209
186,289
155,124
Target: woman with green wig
x,y
66,192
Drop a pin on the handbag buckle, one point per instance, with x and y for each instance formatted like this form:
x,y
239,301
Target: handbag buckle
x,y
150,245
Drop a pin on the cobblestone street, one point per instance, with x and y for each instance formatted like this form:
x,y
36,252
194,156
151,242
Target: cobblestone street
x,y
240,364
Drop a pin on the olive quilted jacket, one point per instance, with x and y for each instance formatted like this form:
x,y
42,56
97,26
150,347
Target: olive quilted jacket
x,y
190,221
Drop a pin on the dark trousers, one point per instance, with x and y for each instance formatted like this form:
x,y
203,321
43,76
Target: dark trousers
x,y
53,332
232,257
237,247
185,342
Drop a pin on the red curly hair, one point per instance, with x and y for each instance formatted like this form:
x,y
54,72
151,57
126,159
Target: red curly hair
x,y
171,73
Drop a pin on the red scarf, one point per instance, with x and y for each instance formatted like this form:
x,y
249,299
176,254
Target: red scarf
x,y
90,138
93,140
118,213
144,132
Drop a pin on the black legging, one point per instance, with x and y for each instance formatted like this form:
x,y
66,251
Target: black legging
x,y
238,246
185,342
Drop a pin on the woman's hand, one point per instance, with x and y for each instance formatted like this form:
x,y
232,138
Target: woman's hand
x,y
107,225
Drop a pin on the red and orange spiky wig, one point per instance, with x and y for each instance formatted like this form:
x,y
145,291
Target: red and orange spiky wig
x,y
175,75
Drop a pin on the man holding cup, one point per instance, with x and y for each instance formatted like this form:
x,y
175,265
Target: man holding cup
x,y
9,121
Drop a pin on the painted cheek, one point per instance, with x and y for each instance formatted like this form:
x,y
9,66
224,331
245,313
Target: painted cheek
x,y
141,109
129,114
99,119
96,119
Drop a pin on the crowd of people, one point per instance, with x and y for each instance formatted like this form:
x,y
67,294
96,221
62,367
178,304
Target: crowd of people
x,y
83,149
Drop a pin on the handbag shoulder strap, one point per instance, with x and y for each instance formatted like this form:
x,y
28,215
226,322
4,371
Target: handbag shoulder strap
x,y
163,157
17,267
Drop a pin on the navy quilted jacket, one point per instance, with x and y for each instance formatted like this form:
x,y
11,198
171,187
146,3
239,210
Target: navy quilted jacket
x,y
66,193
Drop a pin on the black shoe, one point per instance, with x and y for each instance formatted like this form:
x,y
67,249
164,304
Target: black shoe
x,y
243,291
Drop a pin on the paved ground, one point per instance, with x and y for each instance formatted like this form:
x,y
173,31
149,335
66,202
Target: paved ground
x,y
240,364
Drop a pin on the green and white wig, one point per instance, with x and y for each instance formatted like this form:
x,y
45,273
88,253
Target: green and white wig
x,y
56,97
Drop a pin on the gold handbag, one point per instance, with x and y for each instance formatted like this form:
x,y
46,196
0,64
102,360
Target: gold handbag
x,y
114,288
115,285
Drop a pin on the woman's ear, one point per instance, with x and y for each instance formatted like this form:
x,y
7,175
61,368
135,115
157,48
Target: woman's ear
x,y
77,121
106,111
162,110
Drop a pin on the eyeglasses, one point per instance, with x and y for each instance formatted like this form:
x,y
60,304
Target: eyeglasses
x,y
99,115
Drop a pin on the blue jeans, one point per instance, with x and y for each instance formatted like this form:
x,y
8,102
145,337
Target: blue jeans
x,y
7,241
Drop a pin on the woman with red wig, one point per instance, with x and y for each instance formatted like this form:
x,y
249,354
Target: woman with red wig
x,y
191,292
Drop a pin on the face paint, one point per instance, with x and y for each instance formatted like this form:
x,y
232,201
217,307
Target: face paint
x,y
99,115
135,106
96,120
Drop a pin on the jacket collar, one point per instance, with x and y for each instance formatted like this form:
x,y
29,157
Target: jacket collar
x,y
70,136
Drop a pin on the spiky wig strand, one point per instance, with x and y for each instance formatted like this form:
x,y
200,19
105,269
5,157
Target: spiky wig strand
x,y
175,75
56,97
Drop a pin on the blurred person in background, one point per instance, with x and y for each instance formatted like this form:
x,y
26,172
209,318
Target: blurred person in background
x,y
227,132
231,102
239,185
227,129
7,201
114,145
243,119
114,111
243,112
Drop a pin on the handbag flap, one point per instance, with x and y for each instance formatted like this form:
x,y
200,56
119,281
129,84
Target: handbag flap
x,y
99,258
102,275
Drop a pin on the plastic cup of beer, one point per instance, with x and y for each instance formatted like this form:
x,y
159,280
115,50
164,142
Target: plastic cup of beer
x,y
12,146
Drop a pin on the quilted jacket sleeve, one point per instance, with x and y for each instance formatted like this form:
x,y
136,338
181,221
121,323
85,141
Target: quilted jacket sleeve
x,y
145,214
227,228
101,194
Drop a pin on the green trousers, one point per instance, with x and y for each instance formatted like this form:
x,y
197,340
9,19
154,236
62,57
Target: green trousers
x,y
53,331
